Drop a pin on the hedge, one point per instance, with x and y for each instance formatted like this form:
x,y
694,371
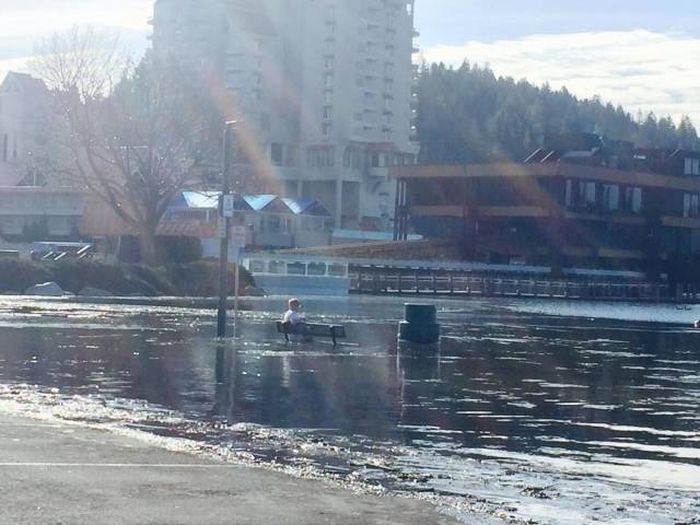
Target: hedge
x,y
193,279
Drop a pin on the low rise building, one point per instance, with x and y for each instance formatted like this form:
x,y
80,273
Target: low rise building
x,y
582,202
26,124
30,214
271,221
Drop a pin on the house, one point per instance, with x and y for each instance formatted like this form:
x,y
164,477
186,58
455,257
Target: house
x,y
34,206
26,127
271,221
30,214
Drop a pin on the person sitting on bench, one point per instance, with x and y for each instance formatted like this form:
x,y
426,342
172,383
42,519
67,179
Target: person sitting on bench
x,y
295,319
293,315
296,330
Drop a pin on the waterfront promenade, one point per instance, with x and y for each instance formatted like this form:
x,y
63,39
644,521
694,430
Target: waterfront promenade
x,y
69,474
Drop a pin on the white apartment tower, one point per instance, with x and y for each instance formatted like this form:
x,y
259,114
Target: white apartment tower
x,y
324,86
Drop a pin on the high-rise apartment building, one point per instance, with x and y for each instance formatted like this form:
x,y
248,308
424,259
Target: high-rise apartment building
x,y
324,87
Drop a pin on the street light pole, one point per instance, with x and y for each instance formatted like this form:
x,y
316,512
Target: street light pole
x,y
224,226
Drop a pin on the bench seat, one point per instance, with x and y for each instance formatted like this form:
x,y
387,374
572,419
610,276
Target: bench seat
x,y
333,332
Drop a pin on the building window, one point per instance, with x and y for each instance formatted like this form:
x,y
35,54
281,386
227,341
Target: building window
x,y
611,197
265,121
355,158
692,166
328,80
292,154
696,166
274,224
633,199
276,154
588,194
569,195
320,157
688,170
691,205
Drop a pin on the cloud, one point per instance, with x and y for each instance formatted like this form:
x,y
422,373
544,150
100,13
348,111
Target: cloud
x,y
642,70
25,22
22,18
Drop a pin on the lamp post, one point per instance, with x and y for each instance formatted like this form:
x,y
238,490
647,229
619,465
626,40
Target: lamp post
x,y
226,206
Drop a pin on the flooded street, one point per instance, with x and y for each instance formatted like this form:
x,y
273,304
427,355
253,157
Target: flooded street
x,y
521,417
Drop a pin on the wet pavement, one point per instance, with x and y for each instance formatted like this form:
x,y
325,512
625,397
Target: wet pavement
x,y
55,474
522,416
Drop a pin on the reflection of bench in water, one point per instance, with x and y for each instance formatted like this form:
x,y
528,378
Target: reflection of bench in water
x,y
312,330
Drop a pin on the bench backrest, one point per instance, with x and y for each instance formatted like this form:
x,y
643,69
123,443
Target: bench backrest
x,y
311,329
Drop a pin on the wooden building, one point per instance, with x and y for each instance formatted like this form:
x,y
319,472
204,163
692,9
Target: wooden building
x,y
602,206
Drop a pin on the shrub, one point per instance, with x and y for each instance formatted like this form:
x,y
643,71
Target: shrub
x,y
17,276
180,250
154,281
195,279
201,278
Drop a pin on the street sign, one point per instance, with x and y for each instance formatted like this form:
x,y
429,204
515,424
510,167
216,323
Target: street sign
x,y
228,205
239,236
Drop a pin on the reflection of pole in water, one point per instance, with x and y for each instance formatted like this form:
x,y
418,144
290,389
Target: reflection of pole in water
x,y
225,380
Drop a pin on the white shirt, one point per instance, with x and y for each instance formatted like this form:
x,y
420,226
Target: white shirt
x,y
293,317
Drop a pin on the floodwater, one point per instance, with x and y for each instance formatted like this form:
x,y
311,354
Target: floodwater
x,y
530,412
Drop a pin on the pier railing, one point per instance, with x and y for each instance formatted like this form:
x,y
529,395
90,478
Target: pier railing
x,y
394,283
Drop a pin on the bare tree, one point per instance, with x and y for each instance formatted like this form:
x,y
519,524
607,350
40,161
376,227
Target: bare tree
x,y
134,143
81,61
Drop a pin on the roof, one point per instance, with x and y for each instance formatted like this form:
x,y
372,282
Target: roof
x,y
24,83
581,154
196,200
550,169
259,202
307,207
209,200
684,153
367,236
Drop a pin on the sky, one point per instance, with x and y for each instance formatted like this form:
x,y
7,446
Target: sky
x,y
642,54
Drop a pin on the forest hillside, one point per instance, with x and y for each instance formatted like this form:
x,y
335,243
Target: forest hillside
x,y
471,115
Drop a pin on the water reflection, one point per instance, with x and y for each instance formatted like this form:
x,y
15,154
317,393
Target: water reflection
x,y
565,397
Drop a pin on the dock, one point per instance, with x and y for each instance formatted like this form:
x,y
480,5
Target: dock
x,y
391,281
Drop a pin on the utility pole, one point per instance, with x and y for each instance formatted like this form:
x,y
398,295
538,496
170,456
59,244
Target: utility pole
x,y
226,205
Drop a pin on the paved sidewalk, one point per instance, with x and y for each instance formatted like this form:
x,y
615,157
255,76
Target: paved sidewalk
x,y
61,474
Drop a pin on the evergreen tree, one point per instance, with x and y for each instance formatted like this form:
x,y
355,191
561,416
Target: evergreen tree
x,y
470,115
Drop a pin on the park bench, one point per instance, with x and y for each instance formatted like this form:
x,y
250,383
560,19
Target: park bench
x,y
333,332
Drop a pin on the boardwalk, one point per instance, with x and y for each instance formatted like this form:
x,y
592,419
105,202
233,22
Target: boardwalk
x,y
393,282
